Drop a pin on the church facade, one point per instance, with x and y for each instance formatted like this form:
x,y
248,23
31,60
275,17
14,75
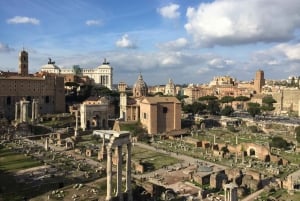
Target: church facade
x,y
156,114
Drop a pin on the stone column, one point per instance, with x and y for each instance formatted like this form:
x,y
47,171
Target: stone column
x,y
109,174
119,193
16,111
32,110
24,111
76,124
128,173
225,194
46,144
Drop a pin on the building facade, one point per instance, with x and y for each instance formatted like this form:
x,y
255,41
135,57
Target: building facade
x,y
94,113
101,75
46,89
160,114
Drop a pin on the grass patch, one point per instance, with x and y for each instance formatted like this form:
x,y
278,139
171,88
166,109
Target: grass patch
x,y
12,162
153,160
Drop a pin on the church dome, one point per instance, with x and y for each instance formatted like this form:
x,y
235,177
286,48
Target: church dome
x,y
140,87
170,88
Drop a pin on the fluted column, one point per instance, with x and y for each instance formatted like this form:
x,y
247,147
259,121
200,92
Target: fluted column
x,y
128,173
109,173
119,193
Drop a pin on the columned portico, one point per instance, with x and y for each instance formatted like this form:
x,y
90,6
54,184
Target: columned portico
x,y
109,173
116,141
230,192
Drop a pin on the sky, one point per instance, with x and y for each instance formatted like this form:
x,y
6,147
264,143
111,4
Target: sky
x,y
189,41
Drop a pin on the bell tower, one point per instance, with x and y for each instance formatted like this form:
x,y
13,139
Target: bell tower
x,y
123,100
23,63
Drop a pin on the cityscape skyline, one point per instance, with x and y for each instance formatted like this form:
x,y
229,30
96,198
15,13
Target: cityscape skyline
x,y
188,41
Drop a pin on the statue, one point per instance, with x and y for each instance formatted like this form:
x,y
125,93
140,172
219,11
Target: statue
x,y
50,61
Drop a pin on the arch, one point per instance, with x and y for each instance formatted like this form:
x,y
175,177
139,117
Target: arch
x,y
251,152
267,158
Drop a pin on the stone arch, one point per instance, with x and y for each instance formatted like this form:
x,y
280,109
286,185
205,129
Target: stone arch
x,y
267,158
251,151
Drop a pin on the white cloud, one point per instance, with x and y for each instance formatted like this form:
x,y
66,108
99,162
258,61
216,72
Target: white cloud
x,y
93,22
291,51
170,11
125,42
178,44
23,20
5,48
229,22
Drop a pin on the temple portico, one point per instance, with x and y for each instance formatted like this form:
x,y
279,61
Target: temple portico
x,y
116,141
230,192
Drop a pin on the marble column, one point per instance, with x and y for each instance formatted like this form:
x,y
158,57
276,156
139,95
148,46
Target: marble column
x,y
16,111
76,124
24,111
119,193
128,173
109,174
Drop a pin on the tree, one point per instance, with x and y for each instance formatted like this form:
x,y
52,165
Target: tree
x,y
208,98
194,108
213,107
253,109
242,99
227,110
227,99
279,142
267,103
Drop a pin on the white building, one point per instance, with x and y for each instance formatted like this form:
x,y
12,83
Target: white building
x,y
101,75
94,113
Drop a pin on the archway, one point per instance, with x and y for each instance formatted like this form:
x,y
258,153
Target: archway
x,y
252,152
267,159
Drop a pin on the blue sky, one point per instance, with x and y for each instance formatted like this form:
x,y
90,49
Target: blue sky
x,y
189,41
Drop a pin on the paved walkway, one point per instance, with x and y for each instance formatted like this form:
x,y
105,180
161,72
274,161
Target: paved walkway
x,y
186,159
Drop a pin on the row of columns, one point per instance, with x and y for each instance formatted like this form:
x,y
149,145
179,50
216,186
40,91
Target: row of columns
x,y
22,110
128,190
230,193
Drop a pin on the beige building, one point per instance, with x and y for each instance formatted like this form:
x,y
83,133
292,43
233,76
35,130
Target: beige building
x,y
157,114
222,80
287,100
46,89
160,114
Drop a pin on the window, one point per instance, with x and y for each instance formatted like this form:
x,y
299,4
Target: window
x,y
165,109
47,99
8,100
145,115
